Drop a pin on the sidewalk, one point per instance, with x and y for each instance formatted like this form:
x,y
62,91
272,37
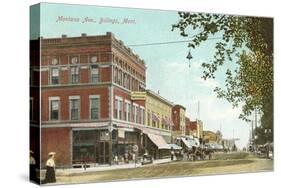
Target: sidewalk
x,y
63,172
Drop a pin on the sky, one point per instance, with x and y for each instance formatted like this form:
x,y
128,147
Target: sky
x,y
167,67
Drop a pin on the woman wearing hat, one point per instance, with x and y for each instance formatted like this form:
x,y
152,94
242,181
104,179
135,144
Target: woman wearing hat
x,y
32,166
50,173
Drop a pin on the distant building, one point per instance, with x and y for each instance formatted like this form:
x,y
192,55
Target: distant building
x,y
228,143
187,126
196,128
209,137
219,137
178,117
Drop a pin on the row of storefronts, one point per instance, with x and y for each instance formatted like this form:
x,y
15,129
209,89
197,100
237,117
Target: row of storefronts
x,y
104,145
120,145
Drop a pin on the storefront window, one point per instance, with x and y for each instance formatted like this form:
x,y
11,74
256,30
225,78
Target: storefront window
x,y
84,146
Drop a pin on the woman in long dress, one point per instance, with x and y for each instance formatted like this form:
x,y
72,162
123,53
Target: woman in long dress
x,y
50,173
32,166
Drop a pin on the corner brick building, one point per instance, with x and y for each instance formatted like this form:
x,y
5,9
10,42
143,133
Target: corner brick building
x,y
86,109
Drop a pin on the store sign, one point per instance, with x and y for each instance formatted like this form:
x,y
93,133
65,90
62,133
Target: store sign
x,y
135,148
138,95
121,133
104,136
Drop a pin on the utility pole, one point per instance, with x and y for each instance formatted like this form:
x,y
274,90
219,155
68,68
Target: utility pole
x,y
252,130
198,110
256,119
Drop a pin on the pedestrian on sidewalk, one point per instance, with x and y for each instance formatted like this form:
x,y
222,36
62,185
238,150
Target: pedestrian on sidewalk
x,y
50,173
84,165
32,166
172,154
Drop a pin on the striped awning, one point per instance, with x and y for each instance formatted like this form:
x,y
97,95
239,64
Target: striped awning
x,y
175,146
158,141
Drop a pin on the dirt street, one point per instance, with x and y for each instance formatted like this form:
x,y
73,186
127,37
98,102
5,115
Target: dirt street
x,y
221,164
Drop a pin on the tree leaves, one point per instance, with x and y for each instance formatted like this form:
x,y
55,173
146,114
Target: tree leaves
x,y
250,39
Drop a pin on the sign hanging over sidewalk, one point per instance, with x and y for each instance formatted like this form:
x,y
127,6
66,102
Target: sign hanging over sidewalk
x,y
138,95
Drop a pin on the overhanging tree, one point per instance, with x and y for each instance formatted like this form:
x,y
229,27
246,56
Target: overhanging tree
x,y
246,41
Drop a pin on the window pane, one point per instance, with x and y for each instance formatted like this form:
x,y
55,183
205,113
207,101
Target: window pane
x,y
74,74
54,76
74,109
55,72
55,105
94,108
54,110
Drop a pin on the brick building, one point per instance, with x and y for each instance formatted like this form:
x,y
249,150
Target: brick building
x,y
87,113
187,126
178,117
196,128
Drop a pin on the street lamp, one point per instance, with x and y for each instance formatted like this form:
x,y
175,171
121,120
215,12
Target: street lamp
x,y
267,134
189,57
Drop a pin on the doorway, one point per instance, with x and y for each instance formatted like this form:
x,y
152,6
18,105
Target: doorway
x,y
103,152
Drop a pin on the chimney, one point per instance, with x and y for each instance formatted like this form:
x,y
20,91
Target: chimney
x,y
84,35
63,36
109,34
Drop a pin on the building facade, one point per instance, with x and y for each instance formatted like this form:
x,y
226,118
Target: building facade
x,y
196,128
158,112
178,117
209,137
87,113
187,126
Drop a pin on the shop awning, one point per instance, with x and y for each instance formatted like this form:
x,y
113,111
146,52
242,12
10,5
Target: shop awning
x,y
186,143
158,141
175,146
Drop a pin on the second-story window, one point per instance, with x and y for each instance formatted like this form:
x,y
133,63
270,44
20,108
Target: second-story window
x,y
115,72
94,74
142,115
135,113
74,74
119,77
116,108
120,109
148,118
74,108
54,76
126,111
129,111
95,107
54,109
